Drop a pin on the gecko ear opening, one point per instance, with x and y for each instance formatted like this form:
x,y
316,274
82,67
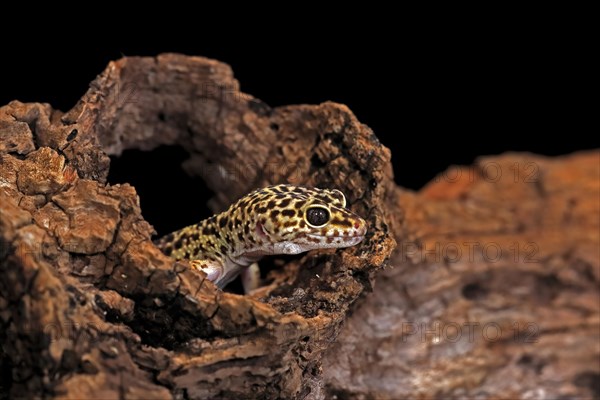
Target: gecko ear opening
x,y
261,231
339,196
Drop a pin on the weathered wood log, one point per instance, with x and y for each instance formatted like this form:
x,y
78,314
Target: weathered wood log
x,y
495,290
89,308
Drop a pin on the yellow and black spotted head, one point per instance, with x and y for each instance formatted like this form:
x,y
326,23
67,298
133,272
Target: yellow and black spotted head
x,y
293,219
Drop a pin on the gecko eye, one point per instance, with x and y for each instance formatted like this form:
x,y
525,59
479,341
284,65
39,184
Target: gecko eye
x,y
317,216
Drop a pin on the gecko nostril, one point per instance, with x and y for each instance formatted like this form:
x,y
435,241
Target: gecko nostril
x,y
363,228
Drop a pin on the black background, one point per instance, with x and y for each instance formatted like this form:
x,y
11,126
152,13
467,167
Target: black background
x,y
436,95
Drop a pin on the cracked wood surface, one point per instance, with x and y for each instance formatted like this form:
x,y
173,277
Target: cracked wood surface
x,y
89,308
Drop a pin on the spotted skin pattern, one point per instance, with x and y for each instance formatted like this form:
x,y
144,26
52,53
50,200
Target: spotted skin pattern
x,y
280,219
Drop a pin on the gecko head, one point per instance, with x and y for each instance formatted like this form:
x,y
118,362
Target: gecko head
x,y
301,219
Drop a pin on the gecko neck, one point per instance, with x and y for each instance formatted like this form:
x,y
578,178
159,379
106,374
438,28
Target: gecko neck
x,y
220,231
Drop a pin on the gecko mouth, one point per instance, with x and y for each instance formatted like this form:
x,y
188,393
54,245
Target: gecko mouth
x,y
343,237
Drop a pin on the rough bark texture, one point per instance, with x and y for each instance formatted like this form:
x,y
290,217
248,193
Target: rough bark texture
x,y
89,308
495,290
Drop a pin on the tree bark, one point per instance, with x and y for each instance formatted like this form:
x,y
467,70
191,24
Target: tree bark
x,y
494,291
89,308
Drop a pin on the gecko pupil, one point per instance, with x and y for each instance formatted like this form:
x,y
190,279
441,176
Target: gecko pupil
x,y
317,216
